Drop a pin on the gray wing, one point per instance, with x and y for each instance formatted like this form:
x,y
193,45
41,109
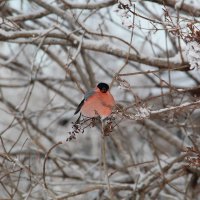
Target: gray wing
x,y
86,96
89,93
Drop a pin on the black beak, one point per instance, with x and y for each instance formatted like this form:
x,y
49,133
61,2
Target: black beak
x,y
104,90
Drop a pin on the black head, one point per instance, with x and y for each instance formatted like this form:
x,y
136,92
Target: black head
x,y
103,87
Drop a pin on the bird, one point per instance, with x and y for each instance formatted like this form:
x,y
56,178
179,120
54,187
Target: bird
x,y
97,102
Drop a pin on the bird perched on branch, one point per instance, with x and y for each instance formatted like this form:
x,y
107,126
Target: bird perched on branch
x,y
97,102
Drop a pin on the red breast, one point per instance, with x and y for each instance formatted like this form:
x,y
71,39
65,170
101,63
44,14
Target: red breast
x,y
99,104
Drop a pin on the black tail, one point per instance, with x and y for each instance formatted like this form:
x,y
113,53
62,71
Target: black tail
x,y
79,107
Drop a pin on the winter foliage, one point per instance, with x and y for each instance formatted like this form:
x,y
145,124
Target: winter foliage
x,y
52,52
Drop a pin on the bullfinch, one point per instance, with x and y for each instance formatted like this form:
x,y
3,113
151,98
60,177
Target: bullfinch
x,y
97,102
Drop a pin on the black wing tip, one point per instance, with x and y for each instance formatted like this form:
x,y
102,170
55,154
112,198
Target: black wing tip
x,y
77,111
79,107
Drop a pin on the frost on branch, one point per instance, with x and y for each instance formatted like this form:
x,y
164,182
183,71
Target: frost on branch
x,y
141,112
193,46
193,54
123,84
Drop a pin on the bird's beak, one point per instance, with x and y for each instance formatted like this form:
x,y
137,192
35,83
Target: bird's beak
x,y
103,90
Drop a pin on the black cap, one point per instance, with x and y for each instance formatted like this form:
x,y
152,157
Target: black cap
x,y
103,87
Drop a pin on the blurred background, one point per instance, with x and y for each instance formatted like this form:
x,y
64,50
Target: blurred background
x,y
52,52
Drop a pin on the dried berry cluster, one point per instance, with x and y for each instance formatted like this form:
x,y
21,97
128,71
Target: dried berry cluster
x,y
77,128
109,126
193,158
80,125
